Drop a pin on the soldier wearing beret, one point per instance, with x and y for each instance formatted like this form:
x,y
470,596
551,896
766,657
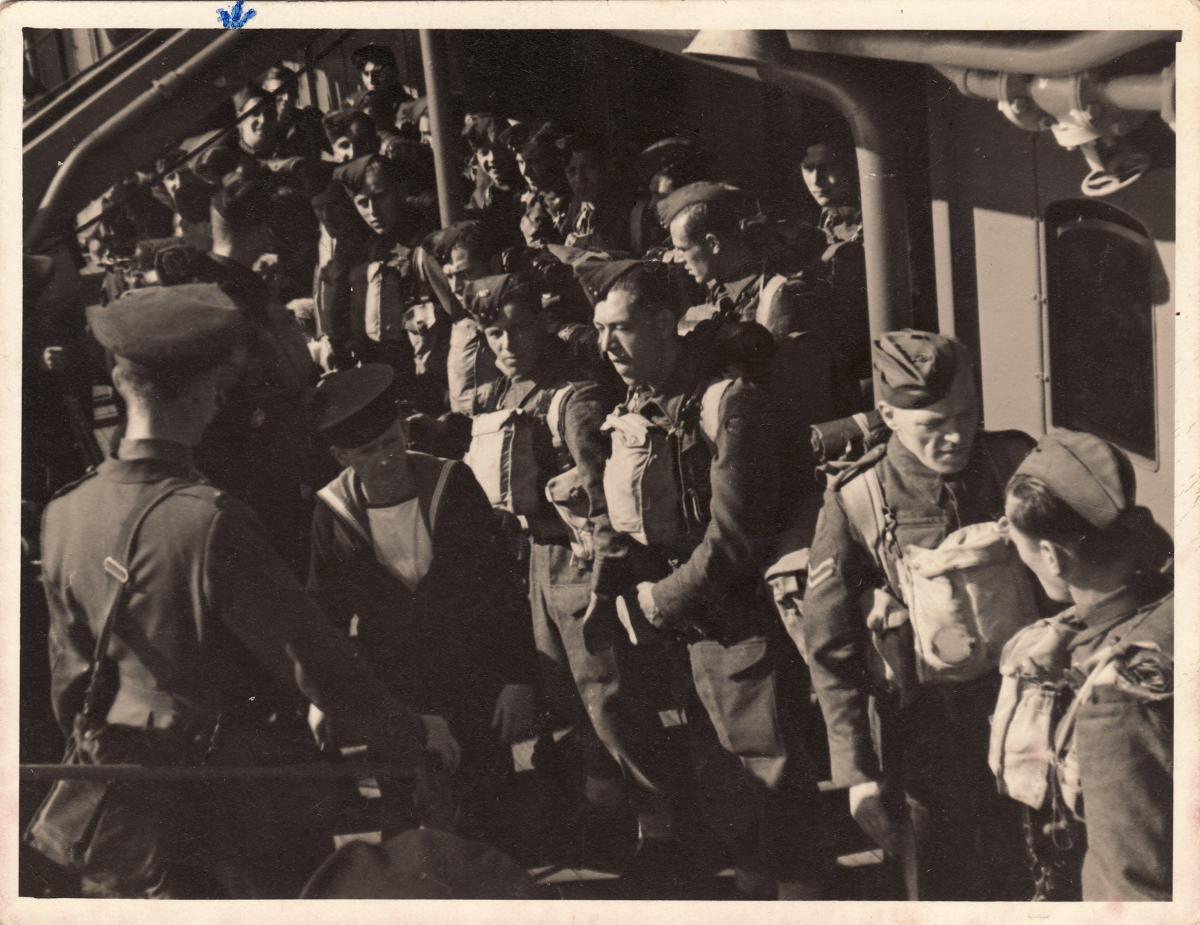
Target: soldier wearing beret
x,y
586,685
1072,514
700,594
404,546
937,473
217,628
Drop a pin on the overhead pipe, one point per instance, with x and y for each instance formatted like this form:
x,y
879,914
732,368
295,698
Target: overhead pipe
x,y
880,178
155,118
443,131
1054,57
1135,92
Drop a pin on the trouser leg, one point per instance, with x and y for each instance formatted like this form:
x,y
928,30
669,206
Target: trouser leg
x,y
772,810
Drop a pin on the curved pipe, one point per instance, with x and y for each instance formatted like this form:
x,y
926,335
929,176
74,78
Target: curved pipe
x,y
1080,51
880,176
132,136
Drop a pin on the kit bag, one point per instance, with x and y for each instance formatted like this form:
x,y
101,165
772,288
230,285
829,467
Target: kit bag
x,y
642,485
965,599
503,457
1021,744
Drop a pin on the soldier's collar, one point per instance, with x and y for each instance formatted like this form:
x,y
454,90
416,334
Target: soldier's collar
x,y
1101,616
736,288
167,453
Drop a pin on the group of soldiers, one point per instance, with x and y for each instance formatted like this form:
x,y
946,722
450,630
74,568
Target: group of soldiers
x,y
455,488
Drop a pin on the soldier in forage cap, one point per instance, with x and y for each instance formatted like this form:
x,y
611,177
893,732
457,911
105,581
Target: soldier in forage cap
x,y
937,473
217,625
1072,513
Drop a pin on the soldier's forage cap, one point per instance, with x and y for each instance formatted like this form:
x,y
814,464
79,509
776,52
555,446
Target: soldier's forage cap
x,y
355,174
177,329
1089,475
487,295
917,368
353,406
720,194
672,155
597,276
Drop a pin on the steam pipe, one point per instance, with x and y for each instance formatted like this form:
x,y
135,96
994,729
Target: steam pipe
x,y
441,124
1057,57
880,177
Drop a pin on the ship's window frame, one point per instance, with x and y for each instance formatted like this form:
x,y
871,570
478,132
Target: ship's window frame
x,y
1061,218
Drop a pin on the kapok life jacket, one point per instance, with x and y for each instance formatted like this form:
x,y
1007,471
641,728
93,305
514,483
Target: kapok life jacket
x,y
964,600
504,452
644,485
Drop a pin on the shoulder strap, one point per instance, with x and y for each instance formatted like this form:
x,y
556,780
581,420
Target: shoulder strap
x,y
435,502
556,415
118,571
710,408
864,503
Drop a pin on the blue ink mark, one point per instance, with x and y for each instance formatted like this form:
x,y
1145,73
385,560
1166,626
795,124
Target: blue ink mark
x,y
234,18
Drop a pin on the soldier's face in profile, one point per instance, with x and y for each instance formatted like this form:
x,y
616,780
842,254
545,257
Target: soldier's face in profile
x,y
516,338
829,176
463,267
941,435
698,255
632,338
1040,556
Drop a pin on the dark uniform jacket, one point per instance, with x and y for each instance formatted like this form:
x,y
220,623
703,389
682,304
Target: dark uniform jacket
x,y
713,583
927,508
447,646
1124,737
216,617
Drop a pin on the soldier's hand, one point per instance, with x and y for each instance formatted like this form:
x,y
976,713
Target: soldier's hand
x,y
513,717
637,614
54,358
869,811
441,742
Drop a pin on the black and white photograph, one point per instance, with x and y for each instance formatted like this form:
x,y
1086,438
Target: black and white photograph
x,y
529,457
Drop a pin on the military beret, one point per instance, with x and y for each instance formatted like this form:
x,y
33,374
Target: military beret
x,y
720,194
243,202
178,329
379,55
597,276
353,406
246,93
917,368
486,296
1089,475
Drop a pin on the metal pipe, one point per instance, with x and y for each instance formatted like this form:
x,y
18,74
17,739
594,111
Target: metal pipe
x,y
1054,57
880,174
1143,92
441,124
1132,92
135,133
315,770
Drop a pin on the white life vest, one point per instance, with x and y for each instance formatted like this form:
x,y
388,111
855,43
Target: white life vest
x,y
641,482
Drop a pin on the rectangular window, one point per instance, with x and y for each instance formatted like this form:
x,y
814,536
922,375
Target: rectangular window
x,y
1101,325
